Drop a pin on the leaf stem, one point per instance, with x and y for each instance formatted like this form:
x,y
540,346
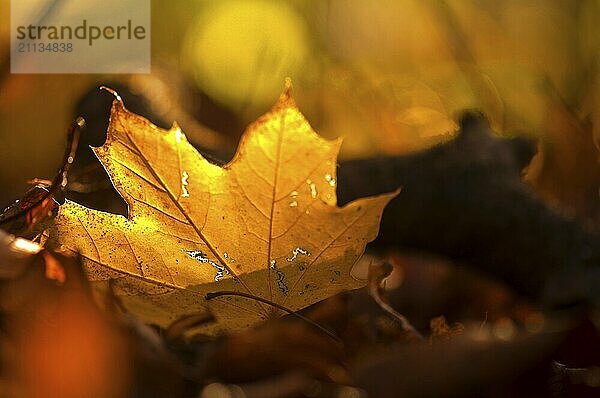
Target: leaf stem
x,y
213,295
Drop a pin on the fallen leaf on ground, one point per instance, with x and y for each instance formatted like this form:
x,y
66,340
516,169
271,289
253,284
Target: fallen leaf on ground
x,y
264,225
53,340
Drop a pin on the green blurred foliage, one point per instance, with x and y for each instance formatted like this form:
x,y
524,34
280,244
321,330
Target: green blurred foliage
x,y
389,75
240,51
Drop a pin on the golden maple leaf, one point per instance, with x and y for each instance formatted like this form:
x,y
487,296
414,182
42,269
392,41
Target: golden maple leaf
x,y
266,224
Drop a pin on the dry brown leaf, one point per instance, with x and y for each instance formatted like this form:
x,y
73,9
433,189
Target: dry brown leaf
x,y
54,342
566,169
266,224
441,331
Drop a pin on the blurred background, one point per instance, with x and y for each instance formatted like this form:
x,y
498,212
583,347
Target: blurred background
x,y
391,77
388,76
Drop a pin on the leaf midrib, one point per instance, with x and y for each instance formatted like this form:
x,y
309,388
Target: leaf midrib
x,y
184,213
273,196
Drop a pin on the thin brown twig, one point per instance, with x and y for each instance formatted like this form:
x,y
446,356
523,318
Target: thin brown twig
x,y
60,180
377,273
